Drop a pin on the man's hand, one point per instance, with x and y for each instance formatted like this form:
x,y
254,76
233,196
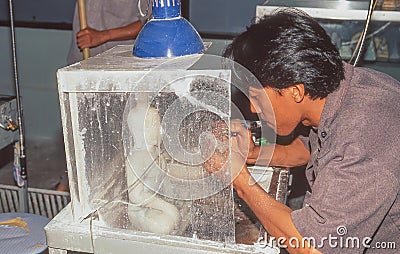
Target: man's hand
x,y
240,144
89,38
220,155
241,139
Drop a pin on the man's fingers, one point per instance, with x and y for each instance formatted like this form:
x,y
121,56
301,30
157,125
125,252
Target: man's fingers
x,y
83,42
240,145
82,33
238,162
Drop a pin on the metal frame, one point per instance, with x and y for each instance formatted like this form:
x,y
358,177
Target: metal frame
x,y
336,14
47,203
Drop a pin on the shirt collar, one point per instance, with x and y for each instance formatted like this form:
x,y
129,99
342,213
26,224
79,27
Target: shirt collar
x,y
334,100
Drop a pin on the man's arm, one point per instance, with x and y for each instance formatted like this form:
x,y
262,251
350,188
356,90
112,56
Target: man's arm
x,y
89,38
292,155
274,216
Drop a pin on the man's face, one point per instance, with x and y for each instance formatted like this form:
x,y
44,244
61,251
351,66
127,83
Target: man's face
x,y
279,111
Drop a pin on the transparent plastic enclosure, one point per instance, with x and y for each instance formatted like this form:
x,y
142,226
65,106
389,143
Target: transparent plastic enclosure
x,y
137,136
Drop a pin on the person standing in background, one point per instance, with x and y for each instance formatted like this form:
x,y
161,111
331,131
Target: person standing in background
x,y
110,23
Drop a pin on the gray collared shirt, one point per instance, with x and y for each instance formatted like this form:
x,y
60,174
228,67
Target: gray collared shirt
x,y
104,15
354,169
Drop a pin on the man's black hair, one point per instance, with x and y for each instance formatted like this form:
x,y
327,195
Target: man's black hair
x,y
287,48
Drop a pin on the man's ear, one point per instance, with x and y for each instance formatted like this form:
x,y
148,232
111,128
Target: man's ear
x,y
297,92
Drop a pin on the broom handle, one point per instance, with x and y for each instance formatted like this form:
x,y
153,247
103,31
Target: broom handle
x,y
83,23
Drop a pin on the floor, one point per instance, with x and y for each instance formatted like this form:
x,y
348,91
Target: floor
x,y
45,163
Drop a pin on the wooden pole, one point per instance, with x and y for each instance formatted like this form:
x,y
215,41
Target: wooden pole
x,y
83,23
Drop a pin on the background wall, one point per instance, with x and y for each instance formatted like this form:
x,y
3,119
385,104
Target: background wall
x,y
47,11
222,17
42,51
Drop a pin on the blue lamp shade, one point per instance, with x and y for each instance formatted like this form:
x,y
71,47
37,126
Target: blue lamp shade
x,y
167,34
